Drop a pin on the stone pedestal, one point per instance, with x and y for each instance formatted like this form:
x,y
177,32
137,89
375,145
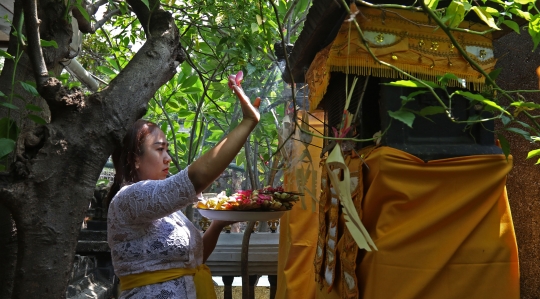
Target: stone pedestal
x,y
262,256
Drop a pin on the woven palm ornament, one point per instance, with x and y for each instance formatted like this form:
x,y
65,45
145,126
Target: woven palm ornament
x,y
406,39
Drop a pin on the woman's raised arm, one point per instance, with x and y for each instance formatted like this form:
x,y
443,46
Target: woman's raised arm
x,y
208,167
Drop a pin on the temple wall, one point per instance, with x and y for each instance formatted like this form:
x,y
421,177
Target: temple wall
x,y
519,65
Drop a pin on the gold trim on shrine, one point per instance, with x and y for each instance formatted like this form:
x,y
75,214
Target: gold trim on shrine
x,y
408,40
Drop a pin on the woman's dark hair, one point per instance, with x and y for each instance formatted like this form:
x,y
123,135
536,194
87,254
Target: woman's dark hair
x,y
124,157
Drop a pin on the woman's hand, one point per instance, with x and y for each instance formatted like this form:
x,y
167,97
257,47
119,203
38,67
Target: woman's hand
x,y
250,112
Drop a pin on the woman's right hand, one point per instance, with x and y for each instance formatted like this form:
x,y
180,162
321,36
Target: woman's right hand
x,y
250,111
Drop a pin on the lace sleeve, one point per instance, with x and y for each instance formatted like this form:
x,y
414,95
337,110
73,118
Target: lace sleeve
x,y
149,200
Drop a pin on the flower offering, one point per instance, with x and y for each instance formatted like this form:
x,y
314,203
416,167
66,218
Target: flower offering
x,y
266,199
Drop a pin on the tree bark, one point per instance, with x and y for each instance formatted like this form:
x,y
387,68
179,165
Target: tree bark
x,y
8,253
57,165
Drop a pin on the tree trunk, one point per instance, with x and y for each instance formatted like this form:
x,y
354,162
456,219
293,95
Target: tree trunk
x,y
57,165
8,253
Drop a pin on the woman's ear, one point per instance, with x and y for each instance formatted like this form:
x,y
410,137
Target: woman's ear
x,y
136,162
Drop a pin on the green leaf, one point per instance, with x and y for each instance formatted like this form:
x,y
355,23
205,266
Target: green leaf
x,y
146,3
431,110
529,105
8,128
533,153
486,17
415,93
481,99
455,13
63,78
185,113
534,30
223,40
164,127
36,119
432,4
173,105
410,83
216,94
46,43
5,54
83,11
240,158
494,73
492,11
123,7
3,94
250,68
512,25
6,146
191,90
524,2
30,88
10,106
254,27
113,63
505,145
189,81
443,80
73,84
404,116
33,108
505,120
521,132
107,71
405,100
520,13
525,125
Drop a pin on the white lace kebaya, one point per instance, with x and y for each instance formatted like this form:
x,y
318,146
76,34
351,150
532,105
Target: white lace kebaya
x,y
147,232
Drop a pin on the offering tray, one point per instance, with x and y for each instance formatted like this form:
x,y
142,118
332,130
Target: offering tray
x,y
249,215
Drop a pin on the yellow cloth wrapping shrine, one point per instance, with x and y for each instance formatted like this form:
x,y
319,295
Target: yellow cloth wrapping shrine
x,y
298,227
443,229
408,40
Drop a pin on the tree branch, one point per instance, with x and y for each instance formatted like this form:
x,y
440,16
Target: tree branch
x,y
47,87
290,11
151,19
297,24
105,18
93,8
88,27
35,52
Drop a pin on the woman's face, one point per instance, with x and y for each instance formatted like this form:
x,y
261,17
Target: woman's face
x,y
154,162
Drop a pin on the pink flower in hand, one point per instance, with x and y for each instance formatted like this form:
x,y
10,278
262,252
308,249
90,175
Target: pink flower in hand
x,y
236,79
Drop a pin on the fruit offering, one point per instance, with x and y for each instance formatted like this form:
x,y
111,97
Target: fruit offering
x,y
266,199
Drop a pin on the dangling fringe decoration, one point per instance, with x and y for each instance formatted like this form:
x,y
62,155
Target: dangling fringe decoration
x,y
413,46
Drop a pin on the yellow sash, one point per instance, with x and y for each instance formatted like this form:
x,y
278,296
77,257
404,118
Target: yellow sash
x,y
202,277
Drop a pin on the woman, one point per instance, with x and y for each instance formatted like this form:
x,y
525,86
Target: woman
x,y
156,251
